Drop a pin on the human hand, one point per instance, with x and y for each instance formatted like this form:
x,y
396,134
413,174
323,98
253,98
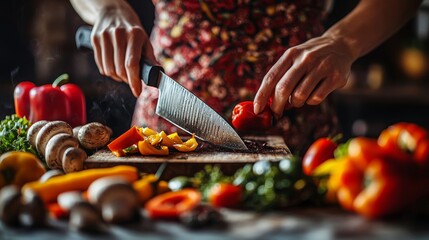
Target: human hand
x,y
119,42
305,74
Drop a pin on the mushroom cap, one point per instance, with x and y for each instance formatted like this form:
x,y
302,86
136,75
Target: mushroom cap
x,y
50,130
73,159
33,130
94,135
10,205
115,197
56,147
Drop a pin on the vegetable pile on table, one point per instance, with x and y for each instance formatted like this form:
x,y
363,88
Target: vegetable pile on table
x,y
42,175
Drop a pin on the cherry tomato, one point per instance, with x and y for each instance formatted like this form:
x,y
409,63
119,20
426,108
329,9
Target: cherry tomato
x,y
172,204
318,152
245,120
225,195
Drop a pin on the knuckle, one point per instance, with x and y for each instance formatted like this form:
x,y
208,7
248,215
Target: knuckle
x,y
137,32
269,79
131,61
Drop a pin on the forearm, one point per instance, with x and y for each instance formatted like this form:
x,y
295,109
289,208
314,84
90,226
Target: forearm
x,y
371,23
89,10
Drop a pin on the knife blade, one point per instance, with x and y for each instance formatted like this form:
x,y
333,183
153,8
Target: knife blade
x,y
179,106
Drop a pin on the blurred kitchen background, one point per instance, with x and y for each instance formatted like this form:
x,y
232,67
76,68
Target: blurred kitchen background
x,y
388,85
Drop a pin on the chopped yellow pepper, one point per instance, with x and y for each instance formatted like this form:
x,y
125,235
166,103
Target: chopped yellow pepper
x,y
187,146
154,139
148,131
145,148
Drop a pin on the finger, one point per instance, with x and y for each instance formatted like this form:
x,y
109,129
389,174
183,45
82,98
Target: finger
x,y
284,89
95,41
320,93
132,60
270,81
305,87
119,53
107,56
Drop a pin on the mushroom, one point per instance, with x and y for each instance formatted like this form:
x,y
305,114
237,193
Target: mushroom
x,y
10,205
48,131
67,200
94,135
50,174
115,197
56,147
85,217
73,159
33,130
76,131
33,212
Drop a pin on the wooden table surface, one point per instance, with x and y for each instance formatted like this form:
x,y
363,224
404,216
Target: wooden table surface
x,y
303,223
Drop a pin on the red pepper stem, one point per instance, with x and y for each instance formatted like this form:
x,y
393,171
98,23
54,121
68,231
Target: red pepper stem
x,y
61,80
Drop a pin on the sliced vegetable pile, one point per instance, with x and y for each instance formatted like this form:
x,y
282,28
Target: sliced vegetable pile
x,y
147,141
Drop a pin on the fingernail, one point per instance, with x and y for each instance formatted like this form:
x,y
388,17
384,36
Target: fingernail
x,y
256,108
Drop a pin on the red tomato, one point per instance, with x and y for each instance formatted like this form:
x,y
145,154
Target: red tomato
x,y
244,118
172,204
321,150
225,195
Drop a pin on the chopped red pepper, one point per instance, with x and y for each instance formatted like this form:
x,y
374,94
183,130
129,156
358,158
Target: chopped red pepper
x,y
51,102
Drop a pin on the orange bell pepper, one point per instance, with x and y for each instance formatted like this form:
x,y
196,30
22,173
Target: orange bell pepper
x,y
374,185
127,139
405,142
171,204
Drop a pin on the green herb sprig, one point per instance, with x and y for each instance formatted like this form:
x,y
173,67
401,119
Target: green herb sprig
x,y
13,135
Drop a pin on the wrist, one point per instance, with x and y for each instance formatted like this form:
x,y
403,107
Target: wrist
x,y
350,45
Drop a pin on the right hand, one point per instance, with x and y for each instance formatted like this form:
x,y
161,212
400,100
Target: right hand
x,y
119,42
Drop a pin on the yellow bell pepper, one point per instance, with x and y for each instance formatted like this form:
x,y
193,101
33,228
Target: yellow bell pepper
x,y
148,131
187,146
19,168
145,148
145,187
154,139
77,181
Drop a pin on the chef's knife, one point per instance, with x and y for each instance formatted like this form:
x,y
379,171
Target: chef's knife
x,y
180,106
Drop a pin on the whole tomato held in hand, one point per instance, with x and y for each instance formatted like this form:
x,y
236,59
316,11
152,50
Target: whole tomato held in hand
x,y
318,152
244,118
225,195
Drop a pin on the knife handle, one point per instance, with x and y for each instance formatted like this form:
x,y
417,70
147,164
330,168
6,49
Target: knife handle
x,y
149,73
83,38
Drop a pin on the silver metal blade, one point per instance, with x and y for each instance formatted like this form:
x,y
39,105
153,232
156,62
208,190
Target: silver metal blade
x,y
185,110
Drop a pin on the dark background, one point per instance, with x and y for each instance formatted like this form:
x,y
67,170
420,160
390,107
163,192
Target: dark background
x,y
37,44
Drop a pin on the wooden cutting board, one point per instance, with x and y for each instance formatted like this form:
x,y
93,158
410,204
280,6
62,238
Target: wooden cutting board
x,y
271,148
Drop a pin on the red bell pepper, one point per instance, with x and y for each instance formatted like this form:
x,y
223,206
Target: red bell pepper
x,y
318,152
51,102
244,118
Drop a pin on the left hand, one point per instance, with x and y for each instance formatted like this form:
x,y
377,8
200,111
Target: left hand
x,y
305,74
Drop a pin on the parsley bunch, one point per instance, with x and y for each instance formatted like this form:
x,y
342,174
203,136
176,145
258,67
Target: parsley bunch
x,y
13,135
